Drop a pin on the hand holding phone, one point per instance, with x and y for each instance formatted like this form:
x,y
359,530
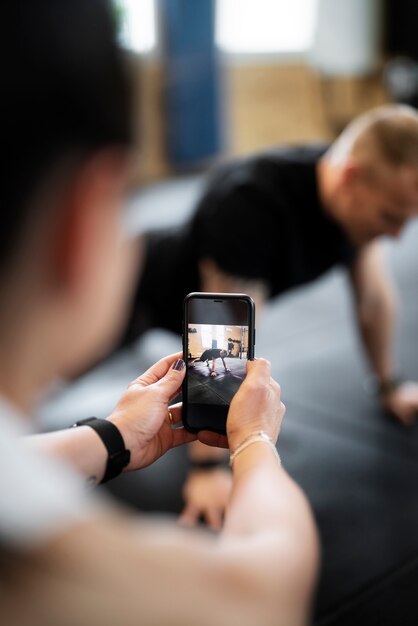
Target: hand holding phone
x,y
257,406
218,340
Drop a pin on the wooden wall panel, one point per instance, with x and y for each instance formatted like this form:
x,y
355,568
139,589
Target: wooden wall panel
x,y
271,104
264,105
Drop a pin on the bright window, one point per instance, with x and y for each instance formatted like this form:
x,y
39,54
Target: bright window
x,y
265,26
137,21
206,336
242,26
210,333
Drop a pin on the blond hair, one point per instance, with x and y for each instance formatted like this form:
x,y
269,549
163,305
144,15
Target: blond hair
x,y
388,133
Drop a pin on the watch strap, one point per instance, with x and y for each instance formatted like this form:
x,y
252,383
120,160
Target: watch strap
x,y
387,386
118,455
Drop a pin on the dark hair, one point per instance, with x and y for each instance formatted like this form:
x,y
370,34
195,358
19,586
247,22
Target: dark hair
x,y
65,92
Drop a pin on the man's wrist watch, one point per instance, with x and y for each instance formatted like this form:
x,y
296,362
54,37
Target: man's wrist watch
x,y
118,455
385,387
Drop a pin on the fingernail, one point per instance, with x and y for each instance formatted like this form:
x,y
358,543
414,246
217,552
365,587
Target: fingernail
x,y
178,365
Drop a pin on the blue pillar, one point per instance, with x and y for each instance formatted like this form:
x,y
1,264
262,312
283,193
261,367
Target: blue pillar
x,y
192,81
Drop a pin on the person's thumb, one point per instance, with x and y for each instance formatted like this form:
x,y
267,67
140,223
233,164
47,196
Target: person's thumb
x,y
171,382
259,369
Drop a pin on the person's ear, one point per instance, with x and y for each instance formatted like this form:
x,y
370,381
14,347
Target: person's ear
x,y
350,173
91,211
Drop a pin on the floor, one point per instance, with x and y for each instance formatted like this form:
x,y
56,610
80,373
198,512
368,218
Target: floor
x,y
204,389
357,466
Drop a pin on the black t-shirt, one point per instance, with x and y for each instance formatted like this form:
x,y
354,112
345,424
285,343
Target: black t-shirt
x,y
169,273
211,353
259,217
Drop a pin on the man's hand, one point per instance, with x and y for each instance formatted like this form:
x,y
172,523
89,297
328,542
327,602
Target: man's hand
x,y
142,414
402,402
206,494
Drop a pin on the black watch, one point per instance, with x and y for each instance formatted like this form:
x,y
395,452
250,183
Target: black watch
x,y
118,455
386,387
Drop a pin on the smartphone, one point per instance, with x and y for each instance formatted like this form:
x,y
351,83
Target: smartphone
x,y
218,339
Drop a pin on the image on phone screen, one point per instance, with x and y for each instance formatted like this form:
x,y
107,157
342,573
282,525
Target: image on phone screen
x,y
217,362
218,340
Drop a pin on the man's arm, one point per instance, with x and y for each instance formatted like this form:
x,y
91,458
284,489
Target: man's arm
x,y
224,364
375,307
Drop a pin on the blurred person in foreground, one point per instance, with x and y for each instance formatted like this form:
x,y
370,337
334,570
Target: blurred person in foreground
x,y
294,213
67,557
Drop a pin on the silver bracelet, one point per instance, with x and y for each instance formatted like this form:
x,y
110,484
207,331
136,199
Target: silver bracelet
x,y
249,440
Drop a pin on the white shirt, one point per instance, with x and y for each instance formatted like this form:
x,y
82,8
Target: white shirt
x,y
39,496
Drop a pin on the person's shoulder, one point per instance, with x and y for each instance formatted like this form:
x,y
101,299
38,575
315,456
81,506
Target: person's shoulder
x,y
291,155
272,178
246,166
273,164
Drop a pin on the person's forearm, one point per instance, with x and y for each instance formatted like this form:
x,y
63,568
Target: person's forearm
x,y
375,308
264,498
376,324
269,528
79,447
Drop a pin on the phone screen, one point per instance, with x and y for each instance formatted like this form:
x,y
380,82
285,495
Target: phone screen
x,y
219,339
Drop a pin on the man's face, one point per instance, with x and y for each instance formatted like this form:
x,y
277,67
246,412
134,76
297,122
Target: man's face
x,y
378,203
